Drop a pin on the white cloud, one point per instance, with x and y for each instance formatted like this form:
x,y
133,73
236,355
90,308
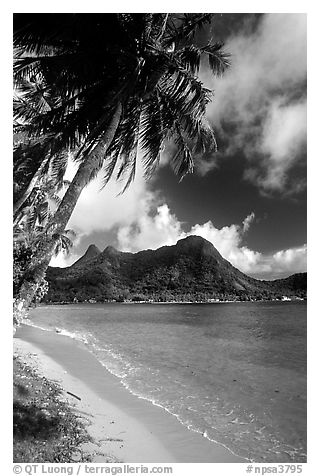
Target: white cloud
x,y
143,221
62,260
152,225
284,129
101,209
150,231
163,228
247,221
205,165
296,257
284,133
260,95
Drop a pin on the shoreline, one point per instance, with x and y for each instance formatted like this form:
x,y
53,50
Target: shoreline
x,y
226,301
129,428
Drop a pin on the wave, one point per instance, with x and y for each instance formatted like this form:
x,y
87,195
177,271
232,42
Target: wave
x,y
121,368
64,332
124,372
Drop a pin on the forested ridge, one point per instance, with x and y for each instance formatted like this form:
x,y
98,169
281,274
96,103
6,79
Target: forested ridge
x,y
191,270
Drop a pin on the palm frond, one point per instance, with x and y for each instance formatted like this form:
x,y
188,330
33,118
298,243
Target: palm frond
x,y
58,167
123,150
110,167
190,57
153,131
182,161
73,78
183,28
218,59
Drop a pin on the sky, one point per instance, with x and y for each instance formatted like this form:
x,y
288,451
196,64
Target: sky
x,y
249,199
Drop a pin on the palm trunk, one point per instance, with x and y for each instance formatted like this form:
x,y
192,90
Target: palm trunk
x,y
40,263
18,204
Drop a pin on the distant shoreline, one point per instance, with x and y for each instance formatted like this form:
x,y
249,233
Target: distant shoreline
x,y
287,299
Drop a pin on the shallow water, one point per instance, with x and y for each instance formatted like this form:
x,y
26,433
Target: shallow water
x,y
236,372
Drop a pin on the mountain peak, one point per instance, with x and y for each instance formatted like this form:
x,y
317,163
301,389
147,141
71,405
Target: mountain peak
x,y
110,250
195,242
92,252
191,270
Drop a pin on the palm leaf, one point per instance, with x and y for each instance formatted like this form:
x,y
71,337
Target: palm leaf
x,y
183,28
218,60
182,161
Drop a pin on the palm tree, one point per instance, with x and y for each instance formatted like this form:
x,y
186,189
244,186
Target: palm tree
x,y
28,241
35,169
32,233
33,158
120,81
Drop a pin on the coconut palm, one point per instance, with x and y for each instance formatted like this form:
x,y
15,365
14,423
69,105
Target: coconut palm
x,y
120,82
28,242
35,170
32,232
35,157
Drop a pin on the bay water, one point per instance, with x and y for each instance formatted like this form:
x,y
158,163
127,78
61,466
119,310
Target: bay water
x,y
235,372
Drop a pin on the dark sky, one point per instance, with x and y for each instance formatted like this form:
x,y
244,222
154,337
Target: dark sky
x,y
249,199
224,197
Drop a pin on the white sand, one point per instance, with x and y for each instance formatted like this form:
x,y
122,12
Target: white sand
x,y
118,436
124,427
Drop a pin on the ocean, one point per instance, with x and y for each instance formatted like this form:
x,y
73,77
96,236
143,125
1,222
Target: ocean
x,y
235,372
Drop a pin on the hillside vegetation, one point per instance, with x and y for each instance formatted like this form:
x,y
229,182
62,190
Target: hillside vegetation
x,y
191,270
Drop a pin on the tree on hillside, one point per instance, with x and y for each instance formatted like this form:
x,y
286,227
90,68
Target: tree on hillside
x,y
119,82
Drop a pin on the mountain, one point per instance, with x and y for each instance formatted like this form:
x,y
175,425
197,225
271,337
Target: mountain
x,y
294,283
91,252
190,270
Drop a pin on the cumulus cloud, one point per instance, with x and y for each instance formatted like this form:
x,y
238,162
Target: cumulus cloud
x,y
247,221
262,99
285,260
163,228
150,231
102,208
152,224
282,137
62,260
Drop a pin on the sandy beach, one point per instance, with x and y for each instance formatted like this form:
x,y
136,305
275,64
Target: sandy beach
x,y
124,428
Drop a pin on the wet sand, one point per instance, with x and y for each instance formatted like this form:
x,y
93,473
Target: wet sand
x,y
125,428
